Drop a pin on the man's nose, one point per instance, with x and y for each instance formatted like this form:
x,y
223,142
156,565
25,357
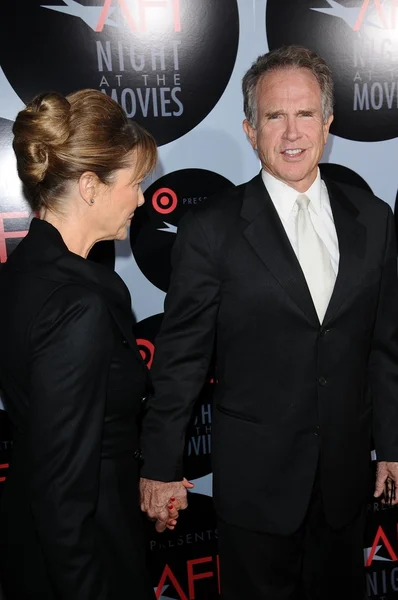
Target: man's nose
x,y
292,131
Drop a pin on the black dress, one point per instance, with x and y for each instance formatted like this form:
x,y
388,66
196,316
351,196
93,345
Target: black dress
x,y
73,380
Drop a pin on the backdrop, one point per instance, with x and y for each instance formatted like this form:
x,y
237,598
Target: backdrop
x,y
176,67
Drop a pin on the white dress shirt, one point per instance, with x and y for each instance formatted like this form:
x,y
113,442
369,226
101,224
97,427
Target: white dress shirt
x,y
284,199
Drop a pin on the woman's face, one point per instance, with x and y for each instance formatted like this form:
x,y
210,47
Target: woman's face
x,y
117,203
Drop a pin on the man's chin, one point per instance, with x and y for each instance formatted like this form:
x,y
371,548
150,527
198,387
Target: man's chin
x,y
297,174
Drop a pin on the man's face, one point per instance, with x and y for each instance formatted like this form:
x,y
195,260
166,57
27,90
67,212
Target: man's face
x,y
290,134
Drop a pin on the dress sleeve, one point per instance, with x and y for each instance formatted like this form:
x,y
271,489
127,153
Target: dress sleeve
x,y
70,349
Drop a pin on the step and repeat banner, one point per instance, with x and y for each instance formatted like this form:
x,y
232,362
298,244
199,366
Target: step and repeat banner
x,y
176,67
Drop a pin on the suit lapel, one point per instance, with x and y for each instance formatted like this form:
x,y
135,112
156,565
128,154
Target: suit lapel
x,y
267,236
351,236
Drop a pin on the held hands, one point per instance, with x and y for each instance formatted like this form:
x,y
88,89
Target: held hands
x,y
162,501
387,482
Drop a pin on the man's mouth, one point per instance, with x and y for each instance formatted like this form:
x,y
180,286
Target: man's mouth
x,y
293,152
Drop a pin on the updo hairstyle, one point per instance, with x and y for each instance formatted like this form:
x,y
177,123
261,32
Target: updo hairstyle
x,y
57,139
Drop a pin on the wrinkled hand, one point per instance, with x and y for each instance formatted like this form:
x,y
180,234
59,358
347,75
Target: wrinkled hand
x,y
387,471
162,501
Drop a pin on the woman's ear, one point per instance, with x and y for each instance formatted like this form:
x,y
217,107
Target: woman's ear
x,y
88,187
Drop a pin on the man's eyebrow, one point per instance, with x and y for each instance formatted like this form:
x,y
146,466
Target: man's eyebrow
x,y
277,113
274,113
306,111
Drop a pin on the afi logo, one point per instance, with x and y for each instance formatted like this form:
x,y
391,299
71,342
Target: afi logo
x,y
165,201
194,573
373,13
135,13
371,553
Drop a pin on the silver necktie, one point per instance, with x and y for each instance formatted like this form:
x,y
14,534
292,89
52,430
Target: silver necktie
x,y
314,259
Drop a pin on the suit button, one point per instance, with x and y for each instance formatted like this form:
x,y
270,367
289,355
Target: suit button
x,y
325,332
138,454
125,342
322,381
316,432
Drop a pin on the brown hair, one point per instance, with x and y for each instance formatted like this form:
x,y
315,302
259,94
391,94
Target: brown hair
x,y
57,139
287,57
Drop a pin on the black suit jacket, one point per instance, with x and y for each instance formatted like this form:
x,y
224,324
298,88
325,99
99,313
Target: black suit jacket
x,y
290,392
73,381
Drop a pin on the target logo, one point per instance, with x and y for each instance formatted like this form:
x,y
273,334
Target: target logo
x,y
164,201
146,349
145,332
152,232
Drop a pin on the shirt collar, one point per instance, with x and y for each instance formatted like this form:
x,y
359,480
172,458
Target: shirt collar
x,y
284,197
314,193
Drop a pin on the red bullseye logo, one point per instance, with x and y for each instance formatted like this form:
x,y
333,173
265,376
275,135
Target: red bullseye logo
x,y
147,350
154,227
164,201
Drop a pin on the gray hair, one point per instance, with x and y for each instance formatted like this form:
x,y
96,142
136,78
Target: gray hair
x,y
287,57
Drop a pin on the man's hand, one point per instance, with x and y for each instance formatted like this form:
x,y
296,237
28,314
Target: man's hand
x,y
162,500
387,477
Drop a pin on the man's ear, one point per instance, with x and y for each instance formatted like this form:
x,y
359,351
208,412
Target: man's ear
x,y
88,186
251,133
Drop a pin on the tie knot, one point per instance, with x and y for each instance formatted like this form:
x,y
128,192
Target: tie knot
x,y
303,201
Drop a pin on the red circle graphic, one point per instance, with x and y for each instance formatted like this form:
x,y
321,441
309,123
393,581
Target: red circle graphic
x,y
147,350
164,201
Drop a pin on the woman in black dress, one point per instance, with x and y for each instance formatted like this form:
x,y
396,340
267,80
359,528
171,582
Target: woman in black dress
x,y
70,369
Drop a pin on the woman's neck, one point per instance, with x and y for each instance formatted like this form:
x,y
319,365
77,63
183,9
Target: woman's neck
x,y
76,236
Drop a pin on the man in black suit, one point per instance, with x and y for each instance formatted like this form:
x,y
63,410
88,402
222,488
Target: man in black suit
x,y
294,280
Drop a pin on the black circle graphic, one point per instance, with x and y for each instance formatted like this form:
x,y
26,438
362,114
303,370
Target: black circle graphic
x,y
358,39
166,64
343,174
154,226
